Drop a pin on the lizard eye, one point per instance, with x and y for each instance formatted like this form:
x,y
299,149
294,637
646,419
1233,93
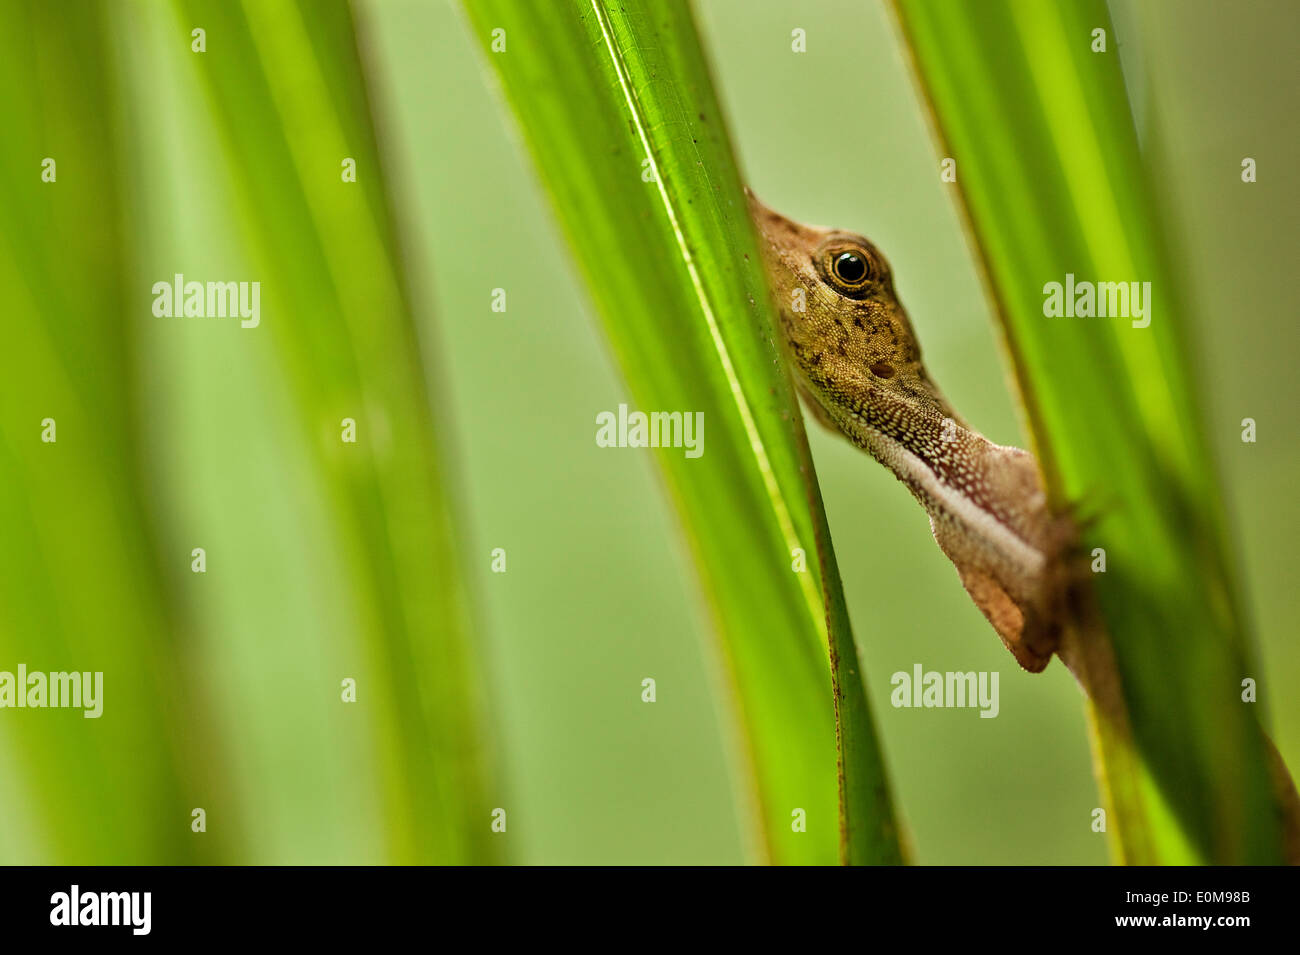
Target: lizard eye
x,y
849,267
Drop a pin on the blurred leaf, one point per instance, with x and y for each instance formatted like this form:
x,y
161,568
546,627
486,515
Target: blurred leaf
x,y
1050,171
289,97
80,589
617,108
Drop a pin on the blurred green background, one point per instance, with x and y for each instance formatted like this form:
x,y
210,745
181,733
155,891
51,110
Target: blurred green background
x,y
599,593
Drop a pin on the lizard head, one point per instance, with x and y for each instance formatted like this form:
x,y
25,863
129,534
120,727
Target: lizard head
x,y
849,337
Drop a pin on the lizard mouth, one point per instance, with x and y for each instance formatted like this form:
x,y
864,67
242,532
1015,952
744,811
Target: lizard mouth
x,y
767,220
783,237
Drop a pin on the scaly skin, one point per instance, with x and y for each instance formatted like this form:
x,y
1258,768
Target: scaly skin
x,y
858,366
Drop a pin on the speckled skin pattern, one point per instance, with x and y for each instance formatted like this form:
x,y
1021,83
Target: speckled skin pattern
x,y
858,365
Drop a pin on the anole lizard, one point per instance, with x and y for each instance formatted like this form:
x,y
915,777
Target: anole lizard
x,y
858,366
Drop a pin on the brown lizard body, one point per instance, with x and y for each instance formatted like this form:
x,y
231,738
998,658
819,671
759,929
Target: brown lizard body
x,y
858,365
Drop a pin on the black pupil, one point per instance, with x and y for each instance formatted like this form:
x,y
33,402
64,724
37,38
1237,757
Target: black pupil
x,y
850,267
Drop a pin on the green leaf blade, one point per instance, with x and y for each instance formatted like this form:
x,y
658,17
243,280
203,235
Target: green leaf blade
x,y
1061,188
603,94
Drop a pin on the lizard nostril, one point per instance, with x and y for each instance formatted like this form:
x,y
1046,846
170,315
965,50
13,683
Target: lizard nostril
x,y
881,369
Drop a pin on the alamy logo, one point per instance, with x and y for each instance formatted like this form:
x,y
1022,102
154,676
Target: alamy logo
x,y
75,907
84,690
179,298
935,689
659,429
1101,299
